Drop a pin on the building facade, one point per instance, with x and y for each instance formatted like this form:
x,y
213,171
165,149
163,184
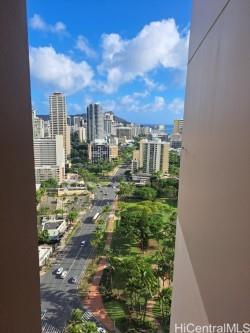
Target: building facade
x,y
124,132
58,119
38,126
154,156
49,159
211,274
82,134
178,126
98,152
95,122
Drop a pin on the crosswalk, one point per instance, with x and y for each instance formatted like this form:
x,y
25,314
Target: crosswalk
x,y
48,328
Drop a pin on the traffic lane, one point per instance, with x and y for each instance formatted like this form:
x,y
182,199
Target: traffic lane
x,y
60,301
71,254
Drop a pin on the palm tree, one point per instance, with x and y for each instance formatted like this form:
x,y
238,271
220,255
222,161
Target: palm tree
x,y
165,298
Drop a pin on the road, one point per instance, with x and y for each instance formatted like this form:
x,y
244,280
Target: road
x,y
58,296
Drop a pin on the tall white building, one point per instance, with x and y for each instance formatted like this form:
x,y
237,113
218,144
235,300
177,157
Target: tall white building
x,y
108,120
58,119
49,157
38,126
82,134
154,156
95,122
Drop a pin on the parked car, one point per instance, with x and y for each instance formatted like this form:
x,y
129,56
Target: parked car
x,y
64,274
101,330
59,271
73,280
83,243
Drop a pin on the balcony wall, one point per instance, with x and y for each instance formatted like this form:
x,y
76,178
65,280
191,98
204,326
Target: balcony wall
x,y
211,277
19,278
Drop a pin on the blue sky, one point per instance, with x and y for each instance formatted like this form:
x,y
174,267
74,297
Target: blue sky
x,y
130,56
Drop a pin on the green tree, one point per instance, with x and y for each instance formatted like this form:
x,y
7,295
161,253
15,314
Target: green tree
x,y
174,163
50,183
43,237
145,193
39,194
72,216
126,189
143,221
77,325
165,298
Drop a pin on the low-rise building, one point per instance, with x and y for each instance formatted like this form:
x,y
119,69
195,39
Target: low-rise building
x,y
55,227
44,253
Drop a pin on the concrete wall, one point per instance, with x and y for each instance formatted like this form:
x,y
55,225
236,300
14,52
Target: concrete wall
x,y
211,277
19,278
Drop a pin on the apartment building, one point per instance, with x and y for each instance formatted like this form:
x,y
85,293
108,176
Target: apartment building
x,y
58,119
176,141
178,126
108,121
102,151
82,134
49,158
38,126
154,156
98,151
95,122
124,132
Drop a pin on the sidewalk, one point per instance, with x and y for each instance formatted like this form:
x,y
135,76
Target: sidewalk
x,y
94,300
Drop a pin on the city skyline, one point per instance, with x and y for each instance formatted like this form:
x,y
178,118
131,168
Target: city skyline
x,y
90,60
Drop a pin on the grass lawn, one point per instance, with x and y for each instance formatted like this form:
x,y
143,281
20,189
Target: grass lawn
x,y
117,312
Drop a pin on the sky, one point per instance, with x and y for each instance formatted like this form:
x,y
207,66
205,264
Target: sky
x,y
130,56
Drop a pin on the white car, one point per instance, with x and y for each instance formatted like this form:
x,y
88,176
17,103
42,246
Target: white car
x,y
64,274
59,271
83,243
101,330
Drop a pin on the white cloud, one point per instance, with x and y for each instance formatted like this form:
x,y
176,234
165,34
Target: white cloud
x,y
38,23
58,70
82,44
158,44
176,106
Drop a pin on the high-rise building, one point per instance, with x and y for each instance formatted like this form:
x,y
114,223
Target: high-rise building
x,y
38,126
49,157
178,126
58,119
47,129
135,163
68,141
82,134
154,156
95,122
108,120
